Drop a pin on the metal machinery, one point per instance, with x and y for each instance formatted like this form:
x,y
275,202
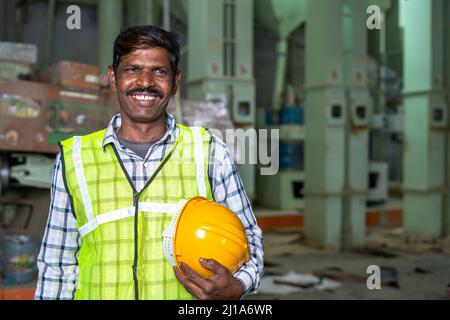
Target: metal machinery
x,y
336,125
284,189
34,116
220,65
386,123
426,163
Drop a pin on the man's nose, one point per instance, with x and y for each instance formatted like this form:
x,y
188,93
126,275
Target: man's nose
x,y
145,79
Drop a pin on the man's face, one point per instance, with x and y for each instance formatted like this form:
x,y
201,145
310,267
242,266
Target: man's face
x,y
144,84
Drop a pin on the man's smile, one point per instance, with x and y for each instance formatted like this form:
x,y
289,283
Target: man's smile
x,y
144,97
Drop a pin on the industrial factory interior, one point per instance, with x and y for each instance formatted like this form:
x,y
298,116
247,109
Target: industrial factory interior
x,y
335,113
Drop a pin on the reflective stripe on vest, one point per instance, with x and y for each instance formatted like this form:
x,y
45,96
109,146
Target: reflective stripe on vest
x,y
105,212
146,207
199,161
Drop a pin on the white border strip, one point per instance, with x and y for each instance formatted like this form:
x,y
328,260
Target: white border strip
x,y
157,207
79,172
199,160
115,215
128,212
169,234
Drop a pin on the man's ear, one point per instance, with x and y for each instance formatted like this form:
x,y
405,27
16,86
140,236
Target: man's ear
x,y
112,79
176,82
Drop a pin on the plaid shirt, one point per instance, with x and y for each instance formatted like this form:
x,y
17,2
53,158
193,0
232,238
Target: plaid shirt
x,y
58,256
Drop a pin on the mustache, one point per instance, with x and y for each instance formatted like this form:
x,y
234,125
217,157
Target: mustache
x,y
149,90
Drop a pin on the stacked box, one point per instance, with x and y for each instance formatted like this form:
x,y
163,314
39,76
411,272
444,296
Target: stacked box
x,y
17,60
72,76
24,116
78,113
35,116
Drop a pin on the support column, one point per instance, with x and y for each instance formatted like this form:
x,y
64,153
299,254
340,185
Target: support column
x,y
356,145
446,216
109,13
325,122
140,12
49,34
425,117
336,124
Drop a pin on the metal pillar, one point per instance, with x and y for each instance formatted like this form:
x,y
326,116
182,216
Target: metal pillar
x,y
166,14
282,17
2,21
425,117
109,13
49,33
220,62
357,105
140,12
336,124
446,216
324,123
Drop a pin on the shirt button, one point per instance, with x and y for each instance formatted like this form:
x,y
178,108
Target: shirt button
x,y
146,164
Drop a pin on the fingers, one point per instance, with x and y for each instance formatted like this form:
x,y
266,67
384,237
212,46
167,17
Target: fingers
x,y
197,279
221,286
213,265
188,284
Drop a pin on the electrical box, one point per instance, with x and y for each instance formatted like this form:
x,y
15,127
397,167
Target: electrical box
x,y
378,183
336,114
438,116
243,106
360,117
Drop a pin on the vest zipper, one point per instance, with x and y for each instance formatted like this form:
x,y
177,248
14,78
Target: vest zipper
x,y
136,210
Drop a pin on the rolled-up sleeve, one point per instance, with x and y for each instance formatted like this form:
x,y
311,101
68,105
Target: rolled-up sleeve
x,y
228,189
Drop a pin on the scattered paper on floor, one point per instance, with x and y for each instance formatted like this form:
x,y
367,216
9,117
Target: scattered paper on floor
x,y
268,286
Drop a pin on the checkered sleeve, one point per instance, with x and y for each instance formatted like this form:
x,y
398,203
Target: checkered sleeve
x,y
57,260
228,189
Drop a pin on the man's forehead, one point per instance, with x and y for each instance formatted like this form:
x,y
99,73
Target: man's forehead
x,y
148,55
147,50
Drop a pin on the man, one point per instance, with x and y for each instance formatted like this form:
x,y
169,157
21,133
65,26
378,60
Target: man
x,y
110,190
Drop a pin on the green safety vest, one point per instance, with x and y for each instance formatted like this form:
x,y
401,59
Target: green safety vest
x,y
121,256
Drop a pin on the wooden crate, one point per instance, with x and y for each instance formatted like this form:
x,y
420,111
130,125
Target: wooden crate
x,y
71,75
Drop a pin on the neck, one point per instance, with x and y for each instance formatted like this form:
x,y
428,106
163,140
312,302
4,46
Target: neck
x,y
142,132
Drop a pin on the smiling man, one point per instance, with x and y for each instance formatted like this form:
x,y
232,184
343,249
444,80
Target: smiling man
x,y
113,190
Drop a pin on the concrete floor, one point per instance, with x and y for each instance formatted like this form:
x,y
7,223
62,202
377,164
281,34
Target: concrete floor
x,y
286,251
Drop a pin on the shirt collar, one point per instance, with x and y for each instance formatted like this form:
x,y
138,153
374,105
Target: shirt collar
x,y
116,121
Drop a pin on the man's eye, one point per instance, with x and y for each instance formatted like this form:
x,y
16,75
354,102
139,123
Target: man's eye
x,y
131,69
160,72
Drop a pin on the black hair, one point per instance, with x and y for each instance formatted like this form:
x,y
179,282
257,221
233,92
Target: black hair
x,y
140,37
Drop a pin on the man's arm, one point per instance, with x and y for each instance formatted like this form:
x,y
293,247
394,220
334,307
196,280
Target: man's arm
x,y
228,189
57,260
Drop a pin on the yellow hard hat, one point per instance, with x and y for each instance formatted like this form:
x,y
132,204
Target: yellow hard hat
x,y
205,229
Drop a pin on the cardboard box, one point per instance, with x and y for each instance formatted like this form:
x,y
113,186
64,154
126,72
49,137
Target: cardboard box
x,y
20,52
15,70
77,113
73,76
24,116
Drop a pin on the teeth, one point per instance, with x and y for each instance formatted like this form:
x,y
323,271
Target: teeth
x,y
144,97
